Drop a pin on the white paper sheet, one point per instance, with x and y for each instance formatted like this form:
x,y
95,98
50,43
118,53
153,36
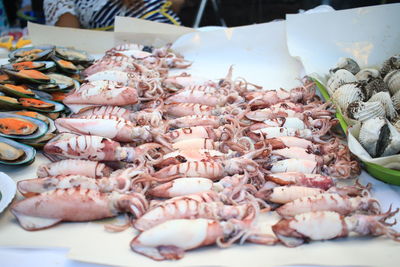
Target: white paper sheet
x,y
369,35
258,53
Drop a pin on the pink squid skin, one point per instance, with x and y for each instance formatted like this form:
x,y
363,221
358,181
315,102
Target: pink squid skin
x,y
120,63
329,202
325,225
199,120
88,168
95,148
107,126
187,109
203,97
296,178
103,92
105,111
75,204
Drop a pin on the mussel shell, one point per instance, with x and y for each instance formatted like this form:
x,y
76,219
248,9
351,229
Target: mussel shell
x,y
25,79
58,107
63,81
29,151
9,103
368,73
12,91
74,55
32,114
363,111
18,55
339,78
41,130
40,142
392,79
392,63
347,64
45,66
4,78
65,65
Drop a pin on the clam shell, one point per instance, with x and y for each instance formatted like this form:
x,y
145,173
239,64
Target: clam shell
x,y
368,73
396,101
339,78
396,123
385,99
374,86
346,64
392,80
363,111
392,63
394,142
374,135
346,94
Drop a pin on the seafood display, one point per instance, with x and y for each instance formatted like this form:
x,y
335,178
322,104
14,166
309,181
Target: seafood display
x,y
195,162
369,97
35,81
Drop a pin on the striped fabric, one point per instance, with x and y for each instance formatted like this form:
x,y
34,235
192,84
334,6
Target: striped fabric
x,y
94,14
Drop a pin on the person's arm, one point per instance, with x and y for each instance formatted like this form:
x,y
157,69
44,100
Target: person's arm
x,y
68,20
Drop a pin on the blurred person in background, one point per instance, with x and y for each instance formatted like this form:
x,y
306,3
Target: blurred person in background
x,y
100,14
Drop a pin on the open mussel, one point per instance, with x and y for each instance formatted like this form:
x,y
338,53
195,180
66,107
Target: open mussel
x,y
59,83
30,65
31,53
16,90
4,78
35,104
14,153
29,76
21,127
66,66
32,114
9,103
73,55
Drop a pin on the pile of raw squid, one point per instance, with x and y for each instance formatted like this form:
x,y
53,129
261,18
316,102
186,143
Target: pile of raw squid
x,y
194,162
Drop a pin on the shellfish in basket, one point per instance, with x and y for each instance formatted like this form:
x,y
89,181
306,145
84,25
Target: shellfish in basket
x,y
392,63
339,78
392,79
362,111
379,137
346,94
